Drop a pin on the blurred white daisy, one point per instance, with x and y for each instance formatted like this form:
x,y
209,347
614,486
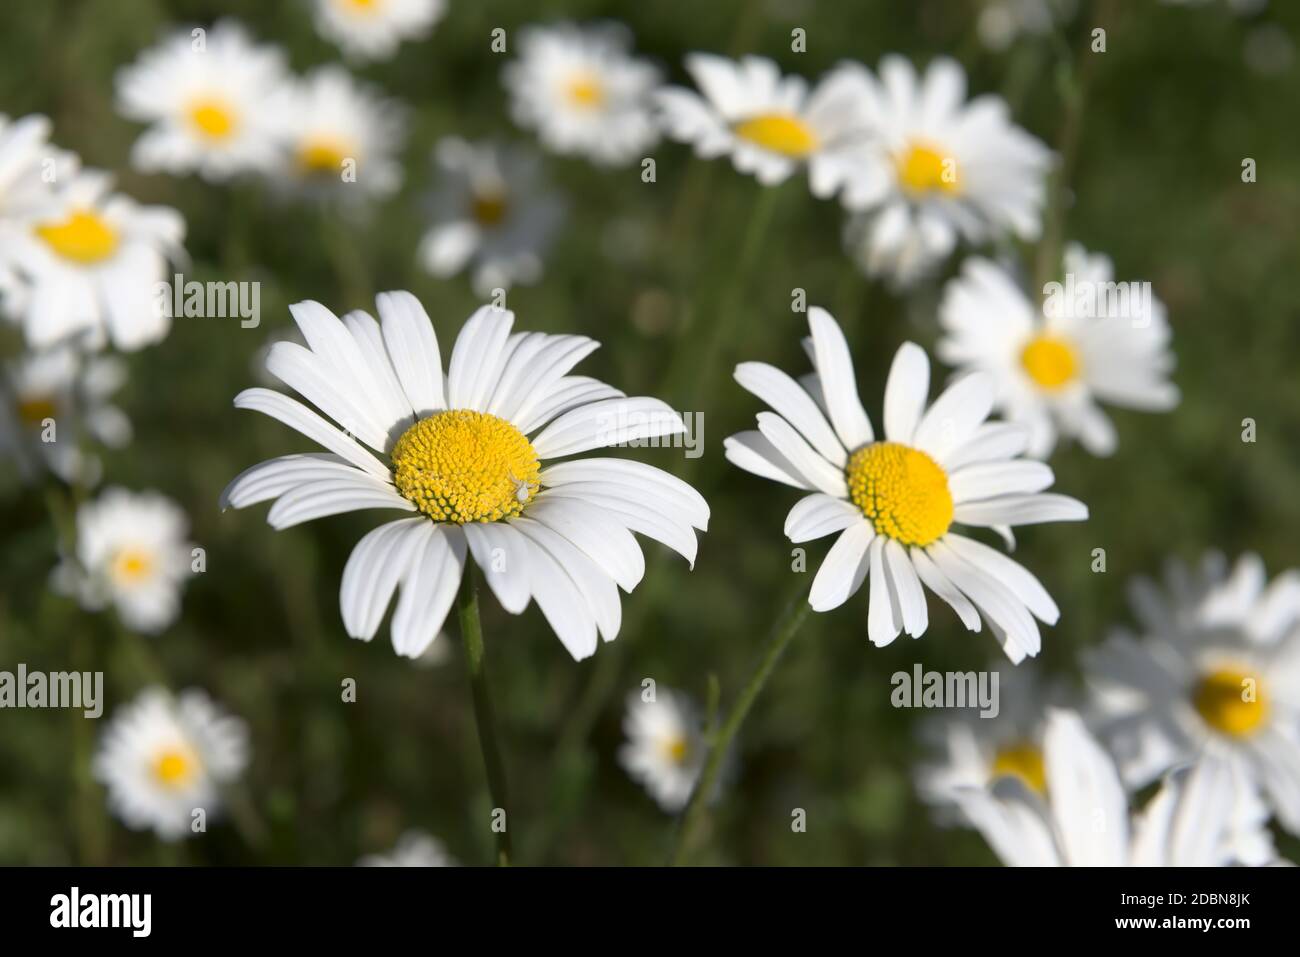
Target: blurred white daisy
x,y
1091,340
665,748
938,169
373,29
976,751
413,849
132,554
1001,22
892,503
583,92
206,96
455,448
492,214
1084,820
52,401
93,270
31,169
1217,668
770,125
340,137
162,758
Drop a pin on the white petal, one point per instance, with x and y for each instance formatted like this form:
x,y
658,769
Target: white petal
x,y
333,496
792,446
569,393
753,452
641,482
503,556
635,516
906,390
606,423
953,418
911,598
529,385
1015,576
598,589
561,602
428,589
609,544
843,569
839,387
818,515
274,477
318,382
990,479
1088,802
990,442
477,357
413,350
297,416
884,620
1021,510
372,572
938,583
993,598
791,402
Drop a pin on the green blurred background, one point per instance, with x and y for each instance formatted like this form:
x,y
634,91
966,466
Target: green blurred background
x,y
649,269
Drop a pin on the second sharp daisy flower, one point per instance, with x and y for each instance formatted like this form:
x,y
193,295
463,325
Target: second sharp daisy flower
x,y
468,451
893,502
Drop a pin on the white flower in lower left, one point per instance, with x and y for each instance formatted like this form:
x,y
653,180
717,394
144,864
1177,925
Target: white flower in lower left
x,y
131,553
163,758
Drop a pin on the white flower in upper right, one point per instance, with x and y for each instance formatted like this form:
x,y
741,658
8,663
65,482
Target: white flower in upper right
x,y
893,502
1091,339
939,168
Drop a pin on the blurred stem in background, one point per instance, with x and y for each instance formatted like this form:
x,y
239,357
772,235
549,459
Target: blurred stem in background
x,y
471,629
782,633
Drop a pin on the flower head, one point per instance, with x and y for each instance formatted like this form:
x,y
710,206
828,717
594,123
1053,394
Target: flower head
x,y
665,748
374,29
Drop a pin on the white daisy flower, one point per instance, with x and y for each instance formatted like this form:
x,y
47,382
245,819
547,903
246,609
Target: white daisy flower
x,y
665,748
53,398
342,137
770,125
583,92
206,99
893,503
1085,822
938,169
976,751
1217,668
93,270
373,29
131,553
465,451
493,214
30,170
413,849
163,758
1092,340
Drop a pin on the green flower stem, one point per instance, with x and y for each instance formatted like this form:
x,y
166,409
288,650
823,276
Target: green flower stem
x,y
471,630
785,630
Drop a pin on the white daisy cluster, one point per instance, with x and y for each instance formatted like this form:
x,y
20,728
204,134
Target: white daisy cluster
x,y
219,105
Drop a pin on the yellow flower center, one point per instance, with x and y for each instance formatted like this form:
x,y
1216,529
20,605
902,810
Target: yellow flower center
x,y
1023,760
362,6
1231,702
488,208
213,118
902,490
131,566
36,410
675,749
174,766
83,237
924,169
321,156
586,90
1050,361
781,133
464,466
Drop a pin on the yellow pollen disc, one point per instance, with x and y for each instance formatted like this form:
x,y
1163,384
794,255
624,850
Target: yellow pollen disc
x,y
322,157
83,237
586,90
463,466
488,209
1231,702
1022,760
36,410
173,767
902,490
213,118
924,169
1050,361
781,133
362,6
675,749
132,565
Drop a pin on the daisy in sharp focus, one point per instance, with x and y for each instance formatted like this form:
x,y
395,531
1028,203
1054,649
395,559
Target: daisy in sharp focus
x,y
1092,340
583,92
976,751
492,215
54,399
467,453
893,502
938,169
374,29
413,849
206,99
1084,820
768,124
92,271
339,138
162,758
1216,668
132,554
665,748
